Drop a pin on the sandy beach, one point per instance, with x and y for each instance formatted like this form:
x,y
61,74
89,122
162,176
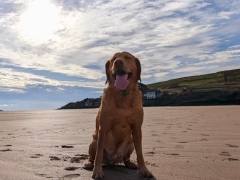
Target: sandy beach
x,y
179,143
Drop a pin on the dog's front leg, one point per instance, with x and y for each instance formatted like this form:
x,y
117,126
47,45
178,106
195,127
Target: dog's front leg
x,y
137,139
97,171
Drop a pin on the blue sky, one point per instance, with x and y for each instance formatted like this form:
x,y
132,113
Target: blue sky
x,y
53,51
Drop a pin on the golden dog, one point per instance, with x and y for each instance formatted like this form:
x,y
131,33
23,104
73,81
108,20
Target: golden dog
x,y
119,119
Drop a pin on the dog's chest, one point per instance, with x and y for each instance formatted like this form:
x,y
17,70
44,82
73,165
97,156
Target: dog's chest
x,y
119,121
122,118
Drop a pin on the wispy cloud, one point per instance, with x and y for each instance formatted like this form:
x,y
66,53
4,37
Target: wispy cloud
x,y
66,43
4,105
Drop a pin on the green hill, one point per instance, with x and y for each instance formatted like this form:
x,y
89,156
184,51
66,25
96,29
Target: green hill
x,y
221,81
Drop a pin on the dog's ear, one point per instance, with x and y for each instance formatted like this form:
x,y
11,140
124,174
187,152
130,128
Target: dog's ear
x,y
107,71
138,69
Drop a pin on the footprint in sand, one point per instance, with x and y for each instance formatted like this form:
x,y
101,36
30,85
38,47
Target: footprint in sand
x,y
36,156
71,168
42,175
70,176
46,176
172,154
54,158
233,159
5,150
183,142
225,154
151,153
66,146
204,139
83,156
79,158
232,145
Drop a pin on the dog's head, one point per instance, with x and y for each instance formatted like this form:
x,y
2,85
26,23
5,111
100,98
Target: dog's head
x,y
123,64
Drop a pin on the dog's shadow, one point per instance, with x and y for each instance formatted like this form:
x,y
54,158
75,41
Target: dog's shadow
x,y
118,172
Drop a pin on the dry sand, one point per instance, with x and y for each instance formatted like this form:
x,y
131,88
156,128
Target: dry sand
x,y
178,143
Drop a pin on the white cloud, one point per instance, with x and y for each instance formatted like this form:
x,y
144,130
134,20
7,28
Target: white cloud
x,y
158,75
226,15
60,89
4,105
10,78
15,81
12,90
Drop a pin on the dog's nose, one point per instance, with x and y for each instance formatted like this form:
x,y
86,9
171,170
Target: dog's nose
x,y
118,62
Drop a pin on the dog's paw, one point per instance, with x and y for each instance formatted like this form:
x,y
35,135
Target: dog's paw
x,y
145,172
88,165
130,165
98,175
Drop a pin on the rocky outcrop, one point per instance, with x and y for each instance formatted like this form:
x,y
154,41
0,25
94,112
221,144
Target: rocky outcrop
x,y
86,103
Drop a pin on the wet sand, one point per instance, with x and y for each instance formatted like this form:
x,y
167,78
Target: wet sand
x,y
179,143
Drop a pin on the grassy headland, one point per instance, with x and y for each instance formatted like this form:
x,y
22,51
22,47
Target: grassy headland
x,y
222,81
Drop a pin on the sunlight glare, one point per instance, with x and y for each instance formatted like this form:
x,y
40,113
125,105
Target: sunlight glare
x,y
41,20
